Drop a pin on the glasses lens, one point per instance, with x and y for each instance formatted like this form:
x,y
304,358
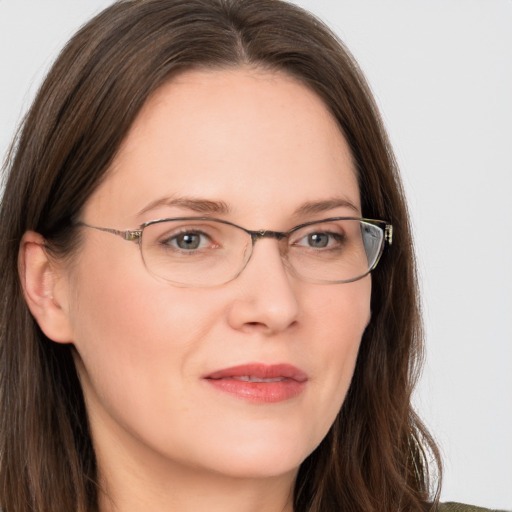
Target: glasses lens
x,y
194,252
206,252
335,250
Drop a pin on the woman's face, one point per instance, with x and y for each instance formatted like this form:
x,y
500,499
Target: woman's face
x,y
261,150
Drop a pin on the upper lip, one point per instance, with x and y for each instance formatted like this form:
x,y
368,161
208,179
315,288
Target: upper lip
x,y
260,371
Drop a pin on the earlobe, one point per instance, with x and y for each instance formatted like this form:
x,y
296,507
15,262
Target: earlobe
x,y
39,280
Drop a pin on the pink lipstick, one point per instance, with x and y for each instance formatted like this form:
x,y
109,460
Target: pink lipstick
x,y
258,382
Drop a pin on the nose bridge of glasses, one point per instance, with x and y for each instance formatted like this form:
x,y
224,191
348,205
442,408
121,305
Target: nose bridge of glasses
x,y
281,248
266,233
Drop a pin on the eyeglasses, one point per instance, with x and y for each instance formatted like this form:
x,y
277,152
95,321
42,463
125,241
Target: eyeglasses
x,y
203,252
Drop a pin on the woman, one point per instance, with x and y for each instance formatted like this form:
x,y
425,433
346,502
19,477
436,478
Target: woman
x,y
236,354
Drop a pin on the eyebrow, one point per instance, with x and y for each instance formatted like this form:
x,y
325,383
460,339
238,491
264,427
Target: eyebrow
x,y
198,205
313,207
207,206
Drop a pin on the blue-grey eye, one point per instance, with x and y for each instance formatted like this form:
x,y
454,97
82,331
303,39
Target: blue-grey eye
x,y
188,240
318,240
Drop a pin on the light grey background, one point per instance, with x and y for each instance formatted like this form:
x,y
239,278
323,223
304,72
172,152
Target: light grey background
x,y
442,74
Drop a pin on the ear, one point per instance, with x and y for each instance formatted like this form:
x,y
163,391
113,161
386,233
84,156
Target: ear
x,y
44,289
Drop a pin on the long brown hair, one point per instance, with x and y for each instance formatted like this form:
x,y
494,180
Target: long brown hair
x,y
376,456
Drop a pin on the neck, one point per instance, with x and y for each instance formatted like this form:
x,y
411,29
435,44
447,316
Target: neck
x,y
133,479
134,488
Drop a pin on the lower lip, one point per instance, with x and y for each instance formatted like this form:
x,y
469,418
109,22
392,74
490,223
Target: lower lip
x,y
260,392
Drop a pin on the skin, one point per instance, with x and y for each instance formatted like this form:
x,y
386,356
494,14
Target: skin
x,y
263,144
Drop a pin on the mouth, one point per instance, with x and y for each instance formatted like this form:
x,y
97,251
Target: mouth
x,y
251,378
259,383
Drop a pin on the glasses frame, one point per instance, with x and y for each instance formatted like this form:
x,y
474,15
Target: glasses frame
x,y
135,235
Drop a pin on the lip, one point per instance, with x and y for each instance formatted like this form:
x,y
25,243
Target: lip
x,y
260,383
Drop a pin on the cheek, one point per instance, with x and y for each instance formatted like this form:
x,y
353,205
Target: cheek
x,y
339,317
135,336
117,300
341,313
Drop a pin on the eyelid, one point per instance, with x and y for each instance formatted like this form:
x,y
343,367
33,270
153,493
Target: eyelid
x,y
333,236
314,223
179,228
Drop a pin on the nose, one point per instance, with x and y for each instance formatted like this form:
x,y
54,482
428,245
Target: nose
x,y
265,298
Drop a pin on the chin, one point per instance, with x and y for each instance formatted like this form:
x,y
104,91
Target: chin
x,y
261,458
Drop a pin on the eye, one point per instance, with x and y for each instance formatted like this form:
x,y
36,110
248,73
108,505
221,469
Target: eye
x,y
320,240
188,240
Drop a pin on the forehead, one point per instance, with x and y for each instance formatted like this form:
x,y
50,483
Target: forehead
x,y
244,137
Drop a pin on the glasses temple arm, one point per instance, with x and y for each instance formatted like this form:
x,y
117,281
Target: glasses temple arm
x,y
132,235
